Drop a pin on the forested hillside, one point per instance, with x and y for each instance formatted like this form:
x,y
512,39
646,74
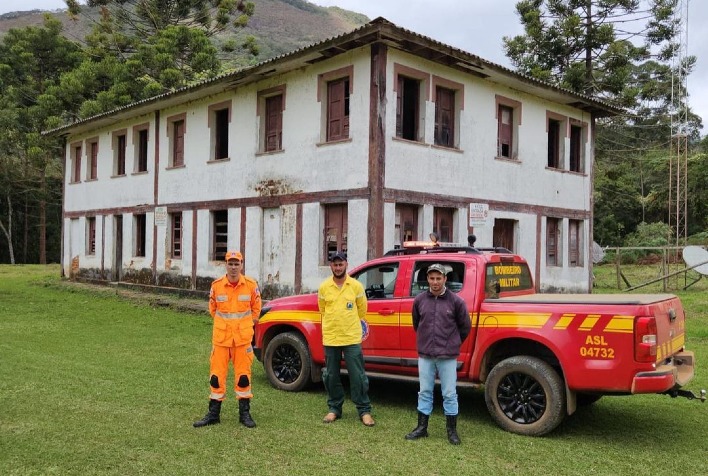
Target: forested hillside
x,y
59,66
278,26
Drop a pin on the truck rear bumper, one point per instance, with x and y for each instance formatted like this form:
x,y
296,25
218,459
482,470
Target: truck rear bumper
x,y
674,374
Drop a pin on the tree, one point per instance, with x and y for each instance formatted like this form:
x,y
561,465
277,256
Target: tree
x,y
141,48
623,52
620,51
31,61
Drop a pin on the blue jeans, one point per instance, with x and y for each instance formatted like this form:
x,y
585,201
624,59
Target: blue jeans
x,y
446,370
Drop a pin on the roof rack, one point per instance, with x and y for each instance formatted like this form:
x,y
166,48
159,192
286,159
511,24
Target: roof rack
x,y
430,247
496,249
415,250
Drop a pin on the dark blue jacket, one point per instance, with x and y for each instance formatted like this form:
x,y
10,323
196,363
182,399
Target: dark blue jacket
x,y
442,323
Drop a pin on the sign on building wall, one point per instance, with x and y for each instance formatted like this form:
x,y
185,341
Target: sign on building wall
x,y
478,214
160,216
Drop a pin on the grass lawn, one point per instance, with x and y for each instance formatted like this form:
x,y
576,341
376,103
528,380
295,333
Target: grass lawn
x,y
94,384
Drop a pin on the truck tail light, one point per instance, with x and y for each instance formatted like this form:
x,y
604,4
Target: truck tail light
x,y
645,339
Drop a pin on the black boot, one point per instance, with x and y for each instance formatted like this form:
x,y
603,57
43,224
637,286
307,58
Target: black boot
x,y
421,430
452,430
212,416
244,413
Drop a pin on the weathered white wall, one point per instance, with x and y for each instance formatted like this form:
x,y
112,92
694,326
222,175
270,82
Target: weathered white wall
x,y
307,165
483,176
109,191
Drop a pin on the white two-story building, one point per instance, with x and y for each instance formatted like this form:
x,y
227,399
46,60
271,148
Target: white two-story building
x,y
357,143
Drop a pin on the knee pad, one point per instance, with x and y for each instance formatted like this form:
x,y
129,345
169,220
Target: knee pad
x,y
214,381
243,381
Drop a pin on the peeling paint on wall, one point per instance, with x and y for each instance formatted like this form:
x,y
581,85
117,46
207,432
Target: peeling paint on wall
x,y
274,187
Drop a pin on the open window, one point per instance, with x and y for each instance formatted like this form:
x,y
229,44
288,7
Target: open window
x,y
140,147
76,162
176,235
508,117
140,234
219,234
578,140
119,147
335,229
455,274
406,223
379,281
556,126
412,91
219,121
91,235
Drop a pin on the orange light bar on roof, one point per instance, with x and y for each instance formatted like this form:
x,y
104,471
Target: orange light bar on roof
x,y
418,244
430,244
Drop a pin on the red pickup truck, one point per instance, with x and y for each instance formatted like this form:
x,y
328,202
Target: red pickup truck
x,y
538,355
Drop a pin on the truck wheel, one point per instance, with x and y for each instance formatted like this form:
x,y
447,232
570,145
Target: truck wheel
x,y
525,395
287,362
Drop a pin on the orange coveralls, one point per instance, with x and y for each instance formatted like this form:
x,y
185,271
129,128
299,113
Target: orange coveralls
x,y
235,309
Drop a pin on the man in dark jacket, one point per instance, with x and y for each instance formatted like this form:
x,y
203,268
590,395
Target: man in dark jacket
x,y
442,322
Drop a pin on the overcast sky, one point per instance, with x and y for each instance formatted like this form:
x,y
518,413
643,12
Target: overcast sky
x,y
477,26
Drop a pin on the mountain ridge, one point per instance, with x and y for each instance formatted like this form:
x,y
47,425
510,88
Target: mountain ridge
x,y
279,26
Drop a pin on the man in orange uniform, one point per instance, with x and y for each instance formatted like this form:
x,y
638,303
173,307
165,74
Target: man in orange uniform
x,y
234,305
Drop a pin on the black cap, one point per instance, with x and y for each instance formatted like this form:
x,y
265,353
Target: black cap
x,y
339,255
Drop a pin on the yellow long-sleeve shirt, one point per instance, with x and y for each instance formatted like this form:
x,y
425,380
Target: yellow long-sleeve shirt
x,y
342,310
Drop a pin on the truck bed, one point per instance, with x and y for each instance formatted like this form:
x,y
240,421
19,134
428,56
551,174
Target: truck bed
x,y
629,299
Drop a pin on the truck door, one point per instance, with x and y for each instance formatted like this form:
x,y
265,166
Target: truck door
x,y
381,339
460,280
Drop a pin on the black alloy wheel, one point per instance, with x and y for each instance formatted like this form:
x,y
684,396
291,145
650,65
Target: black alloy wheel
x,y
525,395
287,362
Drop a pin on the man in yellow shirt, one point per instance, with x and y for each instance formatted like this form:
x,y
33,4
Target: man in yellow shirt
x,y
342,303
235,306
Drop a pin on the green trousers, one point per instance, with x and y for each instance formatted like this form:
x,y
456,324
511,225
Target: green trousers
x,y
358,381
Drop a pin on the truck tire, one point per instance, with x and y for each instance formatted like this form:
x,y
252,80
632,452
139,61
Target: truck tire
x,y
287,362
525,395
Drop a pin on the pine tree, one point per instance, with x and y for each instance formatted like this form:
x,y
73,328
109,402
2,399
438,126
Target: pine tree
x,y
141,48
622,52
31,61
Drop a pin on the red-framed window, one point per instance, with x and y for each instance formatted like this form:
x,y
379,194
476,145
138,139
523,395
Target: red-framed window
x,y
140,223
176,235
91,235
335,229
553,231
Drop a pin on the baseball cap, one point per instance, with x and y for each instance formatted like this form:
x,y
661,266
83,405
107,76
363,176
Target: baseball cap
x,y
338,255
436,267
233,255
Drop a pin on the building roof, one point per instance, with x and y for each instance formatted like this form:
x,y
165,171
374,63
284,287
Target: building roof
x,y
378,30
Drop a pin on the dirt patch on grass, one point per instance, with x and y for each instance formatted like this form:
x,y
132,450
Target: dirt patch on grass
x,y
165,298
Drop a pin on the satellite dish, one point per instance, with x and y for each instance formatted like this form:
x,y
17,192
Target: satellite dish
x,y
696,258
598,254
